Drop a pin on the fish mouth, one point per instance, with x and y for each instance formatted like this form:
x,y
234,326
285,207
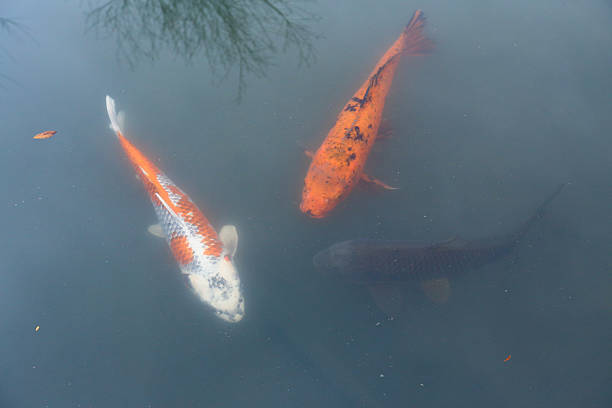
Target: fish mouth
x,y
311,215
310,212
230,317
234,315
228,306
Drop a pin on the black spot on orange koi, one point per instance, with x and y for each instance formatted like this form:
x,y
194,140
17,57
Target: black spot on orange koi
x,y
349,159
358,136
360,101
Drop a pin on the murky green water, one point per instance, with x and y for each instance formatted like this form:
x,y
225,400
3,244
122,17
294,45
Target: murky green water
x,y
514,100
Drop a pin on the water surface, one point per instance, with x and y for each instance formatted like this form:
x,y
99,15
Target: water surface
x,y
514,100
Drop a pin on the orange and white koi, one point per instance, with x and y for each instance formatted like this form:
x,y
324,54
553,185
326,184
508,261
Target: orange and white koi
x,y
338,164
203,256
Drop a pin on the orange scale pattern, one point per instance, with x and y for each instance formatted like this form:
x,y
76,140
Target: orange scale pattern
x,y
192,224
191,215
181,250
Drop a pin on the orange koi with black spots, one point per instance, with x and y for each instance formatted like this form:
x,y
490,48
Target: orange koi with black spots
x,y
338,164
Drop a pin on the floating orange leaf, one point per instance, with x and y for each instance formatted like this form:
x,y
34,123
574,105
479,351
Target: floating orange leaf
x,y
45,135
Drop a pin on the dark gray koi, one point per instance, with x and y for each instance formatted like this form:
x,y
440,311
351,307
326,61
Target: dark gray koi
x,y
379,261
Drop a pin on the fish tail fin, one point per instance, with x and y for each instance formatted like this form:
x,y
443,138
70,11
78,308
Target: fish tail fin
x,y
116,119
415,41
539,213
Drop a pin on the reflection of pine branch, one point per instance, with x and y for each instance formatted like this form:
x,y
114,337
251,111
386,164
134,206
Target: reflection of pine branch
x,y
7,24
9,27
229,33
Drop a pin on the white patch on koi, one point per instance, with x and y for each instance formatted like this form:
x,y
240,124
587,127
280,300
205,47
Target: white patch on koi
x,y
214,280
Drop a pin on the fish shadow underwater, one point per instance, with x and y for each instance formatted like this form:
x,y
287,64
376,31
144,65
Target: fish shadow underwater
x,y
390,267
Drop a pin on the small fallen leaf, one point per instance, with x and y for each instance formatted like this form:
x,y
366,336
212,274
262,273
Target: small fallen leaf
x,y
45,135
507,358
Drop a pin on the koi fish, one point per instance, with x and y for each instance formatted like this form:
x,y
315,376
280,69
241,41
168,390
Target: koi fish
x,y
338,164
379,262
45,135
204,257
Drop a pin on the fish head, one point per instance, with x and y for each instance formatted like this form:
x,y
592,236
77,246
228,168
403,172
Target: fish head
x,y
336,259
318,202
221,290
323,189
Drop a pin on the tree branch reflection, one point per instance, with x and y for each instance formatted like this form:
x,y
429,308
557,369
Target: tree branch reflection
x,y
8,27
241,34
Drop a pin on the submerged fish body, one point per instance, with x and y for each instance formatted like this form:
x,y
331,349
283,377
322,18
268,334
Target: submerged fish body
x,y
378,261
338,164
204,257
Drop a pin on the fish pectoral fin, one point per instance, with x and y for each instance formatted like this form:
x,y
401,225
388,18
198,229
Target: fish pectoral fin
x,y
229,237
438,290
156,230
307,152
387,297
385,131
376,182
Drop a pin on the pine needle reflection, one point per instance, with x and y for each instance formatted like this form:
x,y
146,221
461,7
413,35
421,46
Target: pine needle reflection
x,y
8,27
7,24
231,34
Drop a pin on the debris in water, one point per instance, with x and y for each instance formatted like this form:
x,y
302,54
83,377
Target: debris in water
x,y
45,135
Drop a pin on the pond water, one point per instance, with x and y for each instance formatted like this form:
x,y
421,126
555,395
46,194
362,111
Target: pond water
x,y
225,97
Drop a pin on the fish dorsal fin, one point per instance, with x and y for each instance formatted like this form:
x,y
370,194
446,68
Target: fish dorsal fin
x,y
156,230
387,297
229,237
454,242
438,290
449,241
